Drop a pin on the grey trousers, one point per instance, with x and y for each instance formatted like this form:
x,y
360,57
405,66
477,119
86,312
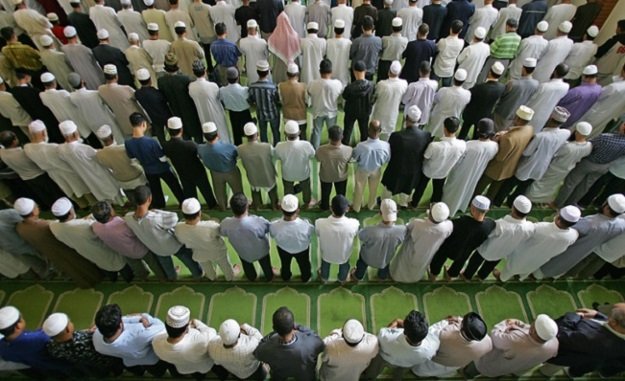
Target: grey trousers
x,y
220,179
579,181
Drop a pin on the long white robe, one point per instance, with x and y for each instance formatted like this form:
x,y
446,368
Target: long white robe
x,y
133,22
580,56
33,23
11,109
555,54
95,112
388,94
104,17
56,63
449,101
484,17
157,49
205,95
172,16
545,100
423,239
530,47
512,11
12,266
411,18
224,12
341,12
313,50
139,58
254,49
610,105
83,61
556,15
538,154
63,109
463,178
337,51
472,60
297,14
81,158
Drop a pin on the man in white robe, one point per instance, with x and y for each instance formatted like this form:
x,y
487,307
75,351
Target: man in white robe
x,y
531,47
337,51
224,12
132,21
412,17
558,14
342,12
473,57
157,48
11,109
313,50
205,95
138,58
254,49
512,11
59,103
55,61
545,99
483,17
32,22
388,95
582,53
297,15
609,106
83,61
104,17
449,101
556,52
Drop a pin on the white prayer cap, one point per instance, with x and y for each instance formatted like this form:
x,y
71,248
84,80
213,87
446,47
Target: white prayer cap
x,y
570,213
522,204
525,113
191,206
250,129
545,327
592,31
395,67
45,40
229,332
353,331
291,127
560,114
616,202
289,203
178,316
252,23
529,62
209,127
133,37
103,34
413,113
67,127
498,68
55,324
36,126
339,24
174,123
590,70
481,202
69,31
565,27
143,74
110,69
480,32
312,25
148,3
542,26
388,209
584,128
47,77
461,75
125,2
439,212
397,22
9,315
52,16
180,24
292,68
61,207
153,27
388,2
103,132
262,65
24,206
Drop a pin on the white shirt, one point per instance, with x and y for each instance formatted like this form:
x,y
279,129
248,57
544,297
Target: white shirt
x,y
295,156
157,49
205,95
254,49
58,101
393,47
335,238
297,13
556,15
224,12
203,238
512,11
609,106
238,360
337,51
449,101
613,249
580,56
292,236
544,100
411,18
313,50
324,94
343,362
155,230
440,157
448,50
472,59
539,152
530,47
421,93
133,23
395,350
388,96
485,17
16,159
174,15
190,354
555,54
508,234
345,13
104,17
11,109
95,112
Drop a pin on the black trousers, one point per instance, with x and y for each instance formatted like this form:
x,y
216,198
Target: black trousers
x,y
510,189
611,270
207,54
474,263
192,182
348,126
45,189
258,375
437,190
170,178
383,68
303,261
326,189
237,121
250,270
439,260
466,127
607,185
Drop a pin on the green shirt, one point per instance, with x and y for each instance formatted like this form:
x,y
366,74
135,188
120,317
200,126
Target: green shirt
x,y
505,46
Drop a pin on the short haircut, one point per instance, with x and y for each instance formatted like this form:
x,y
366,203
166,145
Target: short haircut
x,y
396,29
108,319
618,314
238,204
424,29
493,74
415,326
283,321
262,73
425,68
325,66
7,138
7,32
367,23
339,205
142,194
64,217
220,29
8,331
451,124
335,133
109,77
339,30
174,131
173,2
191,216
233,80
512,23
102,211
146,82
529,70
375,127
561,70
152,32
621,24
136,119
565,223
211,136
199,71
180,29
175,333
456,26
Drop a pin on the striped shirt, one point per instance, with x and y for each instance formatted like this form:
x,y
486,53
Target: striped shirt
x,y
265,95
505,46
225,52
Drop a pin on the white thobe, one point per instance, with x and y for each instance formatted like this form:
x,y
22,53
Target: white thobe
x,y
63,109
562,163
555,54
78,235
33,23
95,112
139,58
530,47
463,178
411,18
12,266
157,49
388,94
611,63
83,61
545,100
337,51
133,22
254,49
401,4
448,50
172,16
441,156
547,242
610,105
512,11
484,17
104,17
612,249
472,60
345,13
509,233
81,158
343,362
205,95
539,152
556,15
580,56
449,101
297,14
313,50
224,12
421,93
423,239
56,63
11,109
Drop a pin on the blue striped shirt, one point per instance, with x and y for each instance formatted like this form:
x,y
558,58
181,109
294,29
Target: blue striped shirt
x,y
264,95
225,52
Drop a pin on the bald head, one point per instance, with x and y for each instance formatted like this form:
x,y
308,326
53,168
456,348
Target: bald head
x,y
617,318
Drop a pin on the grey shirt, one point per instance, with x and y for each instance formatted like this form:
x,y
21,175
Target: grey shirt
x,y
517,92
248,236
379,243
366,48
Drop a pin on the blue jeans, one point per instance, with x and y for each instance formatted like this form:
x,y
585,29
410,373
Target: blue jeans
x,y
275,129
325,271
184,255
315,138
361,269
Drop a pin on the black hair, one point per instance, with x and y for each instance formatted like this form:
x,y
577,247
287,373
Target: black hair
x,y
238,204
339,205
8,331
561,70
153,32
180,29
283,321
456,26
174,131
367,23
146,82
7,33
621,25
102,211
335,133
136,119
192,216
109,77
220,29
451,124
325,66
339,30
565,223
424,29
7,138
512,23
64,217
199,71
211,136
262,73
175,333
529,70
396,29
415,326
233,80
142,194
108,319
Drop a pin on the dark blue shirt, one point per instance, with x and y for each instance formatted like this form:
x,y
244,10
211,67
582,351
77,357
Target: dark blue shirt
x,y
30,348
219,157
532,14
457,10
149,152
225,52
434,15
416,52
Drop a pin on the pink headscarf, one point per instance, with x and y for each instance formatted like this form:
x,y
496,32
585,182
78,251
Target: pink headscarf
x,y
284,41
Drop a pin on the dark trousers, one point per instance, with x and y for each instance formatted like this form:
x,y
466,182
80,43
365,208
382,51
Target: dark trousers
x,y
439,260
157,370
492,184
303,128
475,262
158,130
383,68
325,271
207,54
170,178
259,375
304,187
303,261
186,257
45,189
257,198
510,189
250,270
361,269
437,190
190,184
275,130
348,126
599,192
237,121
326,189
126,274
466,127
611,270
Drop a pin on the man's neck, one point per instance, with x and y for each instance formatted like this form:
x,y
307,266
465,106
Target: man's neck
x,y
142,210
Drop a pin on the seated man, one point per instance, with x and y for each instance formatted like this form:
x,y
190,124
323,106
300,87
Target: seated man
x,y
234,349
